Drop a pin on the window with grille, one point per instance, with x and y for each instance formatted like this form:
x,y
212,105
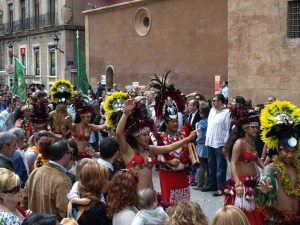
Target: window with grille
x,y
37,60
52,60
294,19
23,22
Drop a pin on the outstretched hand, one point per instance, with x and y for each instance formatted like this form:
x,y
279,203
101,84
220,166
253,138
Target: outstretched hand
x,y
193,134
129,104
264,186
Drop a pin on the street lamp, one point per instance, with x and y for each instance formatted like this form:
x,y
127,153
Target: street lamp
x,y
56,40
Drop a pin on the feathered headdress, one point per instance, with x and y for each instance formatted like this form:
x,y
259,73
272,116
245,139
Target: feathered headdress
x,y
138,121
168,100
61,91
242,118
113,108
280,120
82,104
40,112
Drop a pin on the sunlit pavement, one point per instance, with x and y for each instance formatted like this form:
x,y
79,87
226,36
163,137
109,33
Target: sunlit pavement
x,y
208,203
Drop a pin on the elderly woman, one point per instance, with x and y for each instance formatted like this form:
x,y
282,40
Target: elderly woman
x,y
133,135
243,159
122,197
11,194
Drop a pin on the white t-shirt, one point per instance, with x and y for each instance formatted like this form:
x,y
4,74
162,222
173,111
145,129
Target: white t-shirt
x,y
147,216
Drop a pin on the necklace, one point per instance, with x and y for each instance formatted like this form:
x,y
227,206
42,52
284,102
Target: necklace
x,y
57,119
28,127
284,178
250,145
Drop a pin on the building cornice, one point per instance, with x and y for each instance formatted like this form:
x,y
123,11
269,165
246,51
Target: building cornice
x,y
43,30
118,6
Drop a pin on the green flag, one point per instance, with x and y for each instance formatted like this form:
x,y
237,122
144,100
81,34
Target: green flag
x,y
83,82
19,85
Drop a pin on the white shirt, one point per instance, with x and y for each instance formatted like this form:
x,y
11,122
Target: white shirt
x,y
218,125
150,217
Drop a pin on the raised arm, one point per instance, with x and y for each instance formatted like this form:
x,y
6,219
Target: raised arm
x,y
124,146
98,127
159,150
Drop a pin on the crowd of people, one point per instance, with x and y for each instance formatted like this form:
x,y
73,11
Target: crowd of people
x,y
88,159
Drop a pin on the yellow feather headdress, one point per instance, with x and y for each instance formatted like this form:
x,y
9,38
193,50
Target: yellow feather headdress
x,y
280,120
61,91
113,107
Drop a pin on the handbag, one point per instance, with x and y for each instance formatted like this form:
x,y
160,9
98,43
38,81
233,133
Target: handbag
x,y
70,220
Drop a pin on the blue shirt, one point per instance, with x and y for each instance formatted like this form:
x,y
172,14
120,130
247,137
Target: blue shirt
x,y
62,167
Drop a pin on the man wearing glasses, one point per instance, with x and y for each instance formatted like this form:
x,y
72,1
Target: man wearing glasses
x,y
47,187
216,138
8,145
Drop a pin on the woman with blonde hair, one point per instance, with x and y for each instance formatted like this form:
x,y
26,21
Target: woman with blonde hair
x,y
93,180
186,213
230,215
11,194
122,197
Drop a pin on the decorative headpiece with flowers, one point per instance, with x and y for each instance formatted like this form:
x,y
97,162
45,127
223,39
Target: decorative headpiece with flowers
x,y
61,91
280,121
113,108
168,100
82,104
242,118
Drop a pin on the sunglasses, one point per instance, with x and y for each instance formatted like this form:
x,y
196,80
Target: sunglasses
x,y
214,100
14,190
70,152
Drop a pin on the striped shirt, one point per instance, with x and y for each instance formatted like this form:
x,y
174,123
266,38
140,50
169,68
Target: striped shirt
x,y
218,128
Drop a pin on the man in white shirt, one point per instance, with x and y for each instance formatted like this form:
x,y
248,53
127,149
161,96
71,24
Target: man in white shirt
x,y
216,138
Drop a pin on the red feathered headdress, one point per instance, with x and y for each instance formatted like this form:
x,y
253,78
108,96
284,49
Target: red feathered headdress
x,y
242,118
168,100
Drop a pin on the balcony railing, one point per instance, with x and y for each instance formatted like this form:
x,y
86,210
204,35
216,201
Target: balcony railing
x,y
41,21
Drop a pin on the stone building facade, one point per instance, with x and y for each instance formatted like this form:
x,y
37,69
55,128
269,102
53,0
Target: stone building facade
x,y
129,41
28,29
264,49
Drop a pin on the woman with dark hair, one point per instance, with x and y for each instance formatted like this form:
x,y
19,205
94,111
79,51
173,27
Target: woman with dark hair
x,y
122,197
133,135
238,100
40,219
82,128
243,157
22,120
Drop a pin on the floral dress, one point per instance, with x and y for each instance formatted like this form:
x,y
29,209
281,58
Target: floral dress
x,y
8,218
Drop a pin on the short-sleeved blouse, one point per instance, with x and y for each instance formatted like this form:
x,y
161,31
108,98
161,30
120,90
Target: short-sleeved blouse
x,y
9,218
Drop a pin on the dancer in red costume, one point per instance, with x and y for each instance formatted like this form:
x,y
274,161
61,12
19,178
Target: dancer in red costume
x,y
172,166
240,189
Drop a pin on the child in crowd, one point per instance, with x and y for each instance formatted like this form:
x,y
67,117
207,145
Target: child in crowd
x,y
186,213
230,215
202,149
73,194
150,213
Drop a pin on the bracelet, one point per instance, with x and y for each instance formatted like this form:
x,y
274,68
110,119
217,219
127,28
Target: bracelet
x,y
126,112
239,184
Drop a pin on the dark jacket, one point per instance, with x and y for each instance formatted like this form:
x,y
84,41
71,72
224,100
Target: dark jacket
x,y
7,164
95,216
